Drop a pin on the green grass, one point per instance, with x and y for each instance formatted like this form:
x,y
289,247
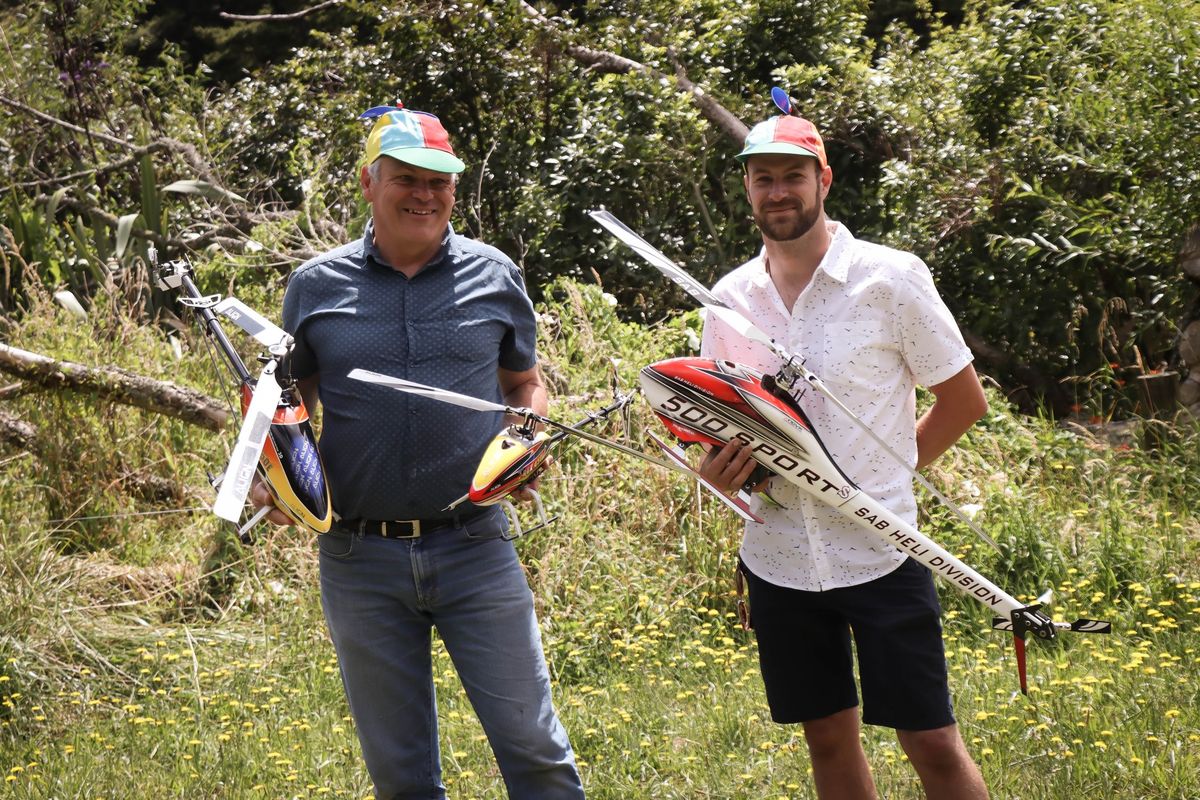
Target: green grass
x,y
147,657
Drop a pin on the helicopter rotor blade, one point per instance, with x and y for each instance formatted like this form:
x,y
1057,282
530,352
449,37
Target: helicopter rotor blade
x,y
600,440
739,506
454,398
231,498
683,280
445,395
264,331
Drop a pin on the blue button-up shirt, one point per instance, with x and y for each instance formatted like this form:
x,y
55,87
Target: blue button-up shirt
x,y
387,454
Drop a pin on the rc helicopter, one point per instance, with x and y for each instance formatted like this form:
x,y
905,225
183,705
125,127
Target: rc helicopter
x,y
276,438
712,402
517,454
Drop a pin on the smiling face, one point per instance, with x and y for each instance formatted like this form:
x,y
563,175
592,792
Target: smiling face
x,y
410,205
787,194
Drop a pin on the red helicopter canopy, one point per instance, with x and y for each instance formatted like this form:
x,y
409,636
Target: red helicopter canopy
x,y
707,401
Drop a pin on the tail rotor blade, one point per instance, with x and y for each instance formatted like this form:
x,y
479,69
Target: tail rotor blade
x,y
256,425
1091,626
1019,645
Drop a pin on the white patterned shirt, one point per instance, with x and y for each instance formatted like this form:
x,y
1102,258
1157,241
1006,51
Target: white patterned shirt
x,y
871,325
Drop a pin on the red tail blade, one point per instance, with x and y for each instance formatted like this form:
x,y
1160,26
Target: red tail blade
x,y
1019,644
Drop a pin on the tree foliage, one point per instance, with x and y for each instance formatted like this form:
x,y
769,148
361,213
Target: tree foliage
x,y
1040,156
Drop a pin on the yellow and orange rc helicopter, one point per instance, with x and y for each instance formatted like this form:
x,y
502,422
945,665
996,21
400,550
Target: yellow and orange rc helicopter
x,y
276,439
518,454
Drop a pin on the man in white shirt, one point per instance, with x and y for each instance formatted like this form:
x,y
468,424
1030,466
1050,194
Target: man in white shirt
x,y
872,325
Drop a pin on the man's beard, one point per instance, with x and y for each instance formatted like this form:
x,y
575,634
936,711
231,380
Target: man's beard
x,y
785,230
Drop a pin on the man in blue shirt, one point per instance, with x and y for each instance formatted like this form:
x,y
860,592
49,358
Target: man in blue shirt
x,y
414,300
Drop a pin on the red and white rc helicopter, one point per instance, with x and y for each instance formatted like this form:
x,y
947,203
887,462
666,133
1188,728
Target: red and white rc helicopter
x,y
712,402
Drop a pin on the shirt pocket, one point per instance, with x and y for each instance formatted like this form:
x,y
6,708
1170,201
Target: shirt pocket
x,y
455,338
859,353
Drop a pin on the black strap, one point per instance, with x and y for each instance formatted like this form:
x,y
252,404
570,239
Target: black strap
x,y
409,528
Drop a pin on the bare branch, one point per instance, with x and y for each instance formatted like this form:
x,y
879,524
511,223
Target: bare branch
x,y
117,385
124,163
277,17
33,112
16,432
14,390
604,61
186,151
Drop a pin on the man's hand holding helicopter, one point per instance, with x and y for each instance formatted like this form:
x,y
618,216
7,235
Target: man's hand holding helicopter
x,y
260,498
525,390
731,467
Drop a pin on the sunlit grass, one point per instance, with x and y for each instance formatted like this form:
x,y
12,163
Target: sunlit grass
x,y
216,678
665,702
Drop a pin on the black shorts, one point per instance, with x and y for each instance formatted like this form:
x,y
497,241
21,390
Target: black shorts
x,y
805,656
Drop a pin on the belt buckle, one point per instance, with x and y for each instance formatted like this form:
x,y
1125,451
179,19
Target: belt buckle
x,y
414,529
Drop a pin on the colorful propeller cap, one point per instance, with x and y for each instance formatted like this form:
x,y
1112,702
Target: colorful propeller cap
x,y
787,135
414,137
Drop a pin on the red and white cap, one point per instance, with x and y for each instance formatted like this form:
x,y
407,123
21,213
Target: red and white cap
x,y
787,135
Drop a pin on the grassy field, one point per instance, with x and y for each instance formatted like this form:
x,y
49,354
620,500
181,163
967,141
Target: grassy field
x,y
144,655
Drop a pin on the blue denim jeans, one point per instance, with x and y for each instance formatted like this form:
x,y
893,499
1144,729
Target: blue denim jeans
x,y
382,598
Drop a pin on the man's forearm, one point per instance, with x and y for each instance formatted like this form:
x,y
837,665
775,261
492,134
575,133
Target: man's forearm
x,y
524,390
960,404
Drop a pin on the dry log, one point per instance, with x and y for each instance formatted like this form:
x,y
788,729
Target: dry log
x,y
117,385
16,432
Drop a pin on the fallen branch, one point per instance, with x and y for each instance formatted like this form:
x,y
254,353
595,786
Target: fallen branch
x,y
277,17
16,432
117,385
13,390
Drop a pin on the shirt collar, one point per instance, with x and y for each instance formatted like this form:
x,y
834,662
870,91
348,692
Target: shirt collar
x,y
835,263
372,255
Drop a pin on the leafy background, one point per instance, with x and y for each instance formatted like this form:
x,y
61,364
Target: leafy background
x,y
1041,156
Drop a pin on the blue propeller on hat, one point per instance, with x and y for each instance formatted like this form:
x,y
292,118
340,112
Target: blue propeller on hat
x,y
781,99
378,111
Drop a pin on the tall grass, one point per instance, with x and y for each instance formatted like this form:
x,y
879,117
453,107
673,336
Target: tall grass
x,y
150,657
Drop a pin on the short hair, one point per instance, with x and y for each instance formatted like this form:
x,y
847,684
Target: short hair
x,y
373,170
